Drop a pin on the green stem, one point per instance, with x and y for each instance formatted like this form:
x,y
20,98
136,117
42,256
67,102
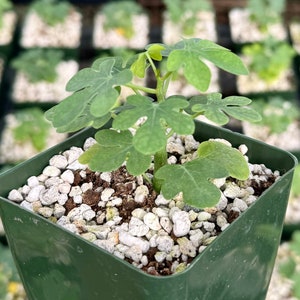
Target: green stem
x,y
135,87
160,159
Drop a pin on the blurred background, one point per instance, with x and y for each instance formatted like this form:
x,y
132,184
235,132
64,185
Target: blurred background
x,y
43,43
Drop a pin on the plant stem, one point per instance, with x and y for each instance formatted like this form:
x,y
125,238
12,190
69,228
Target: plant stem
x,y
135,87
160,159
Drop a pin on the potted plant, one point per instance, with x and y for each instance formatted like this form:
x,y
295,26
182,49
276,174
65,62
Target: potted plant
x,y
26,133
8,21
280,124
260,19
292,220
188,19
294,28
172,193
270,66
41,75
52,24
120,24
286,275
10,283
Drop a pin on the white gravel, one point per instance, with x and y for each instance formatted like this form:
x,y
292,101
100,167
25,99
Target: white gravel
x,y
205,28
37,33
287,140
7,30
244,30
193,229
112,38
25,91
12,151
253,84
295,35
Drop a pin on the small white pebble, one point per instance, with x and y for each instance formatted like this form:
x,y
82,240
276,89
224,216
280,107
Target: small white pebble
x,y
141,193
15,195
58,161
106,176
67,176
182,223
51,171
32,181
106,194
152,221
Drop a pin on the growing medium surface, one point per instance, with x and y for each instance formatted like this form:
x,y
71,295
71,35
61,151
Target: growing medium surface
x,y
123,214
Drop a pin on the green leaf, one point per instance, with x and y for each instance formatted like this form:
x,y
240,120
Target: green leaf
x,y
38,64
226,156
151,136
189,54
73,114
217,109
155,51
139,67
192,68
32,127
100,82
193,179
112,150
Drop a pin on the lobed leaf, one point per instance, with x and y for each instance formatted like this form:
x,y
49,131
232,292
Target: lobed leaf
x,y
73,114
95,96
112,150
101,80
193,179
190,53
217,109
226,156
151,136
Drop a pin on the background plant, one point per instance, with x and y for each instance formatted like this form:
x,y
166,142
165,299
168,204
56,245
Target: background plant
x,y
295,188
119,16
52,12
5,5
38,64
95,101
277,113
32,127
265,12
268,59
291,267
186,13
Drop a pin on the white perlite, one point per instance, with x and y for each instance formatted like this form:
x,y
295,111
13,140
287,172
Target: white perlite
x,y
112,38
204,29
12,151
176,232
9,21
37,33
248,31
42,91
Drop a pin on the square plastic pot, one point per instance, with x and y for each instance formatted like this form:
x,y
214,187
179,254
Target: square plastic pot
x,y
56,264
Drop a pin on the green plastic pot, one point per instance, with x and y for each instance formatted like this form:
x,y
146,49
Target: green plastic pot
x,y
56,264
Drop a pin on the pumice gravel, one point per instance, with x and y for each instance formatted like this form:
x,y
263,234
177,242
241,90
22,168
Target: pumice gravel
x,y
122,213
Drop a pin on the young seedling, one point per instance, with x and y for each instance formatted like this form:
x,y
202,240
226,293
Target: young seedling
x,y
38,64
155,118
186,13
5,5
119,16
32,127
269,58
266,12
52,12
277,113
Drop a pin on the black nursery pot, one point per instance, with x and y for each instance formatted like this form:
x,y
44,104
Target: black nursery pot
x,y
56,264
